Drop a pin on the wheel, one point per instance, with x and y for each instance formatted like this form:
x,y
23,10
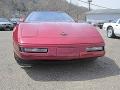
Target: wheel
x,y
110,32
22,62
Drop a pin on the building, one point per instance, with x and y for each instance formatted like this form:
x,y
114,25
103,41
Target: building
x,y
102,15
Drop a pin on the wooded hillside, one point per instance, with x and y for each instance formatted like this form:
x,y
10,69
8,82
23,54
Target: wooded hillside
x,y
9,8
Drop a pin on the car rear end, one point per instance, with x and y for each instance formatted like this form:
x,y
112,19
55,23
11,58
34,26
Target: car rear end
x,y
61,52
6,26
60,41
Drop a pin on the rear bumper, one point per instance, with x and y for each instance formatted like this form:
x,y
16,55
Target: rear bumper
x,y
60,52
82,55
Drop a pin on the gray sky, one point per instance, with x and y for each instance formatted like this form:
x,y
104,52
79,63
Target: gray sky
x,y
114,4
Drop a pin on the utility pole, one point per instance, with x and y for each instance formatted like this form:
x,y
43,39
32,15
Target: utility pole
x,y
70,1
69,6
89,3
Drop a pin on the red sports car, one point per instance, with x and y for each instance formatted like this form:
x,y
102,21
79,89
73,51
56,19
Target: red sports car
x,y
55,36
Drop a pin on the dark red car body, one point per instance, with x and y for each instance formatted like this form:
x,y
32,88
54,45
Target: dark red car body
x,y
62,40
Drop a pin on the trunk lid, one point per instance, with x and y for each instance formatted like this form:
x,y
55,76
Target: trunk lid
x,y
58,33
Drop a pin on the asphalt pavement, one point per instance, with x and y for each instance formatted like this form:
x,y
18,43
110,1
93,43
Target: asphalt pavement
x,y
102,74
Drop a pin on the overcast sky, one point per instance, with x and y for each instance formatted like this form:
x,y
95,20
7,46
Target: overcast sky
x,y
114,4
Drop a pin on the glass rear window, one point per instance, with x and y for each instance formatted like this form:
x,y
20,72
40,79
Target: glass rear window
x,y
48,17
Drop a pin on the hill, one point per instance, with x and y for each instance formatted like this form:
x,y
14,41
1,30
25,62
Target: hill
x,y
9,8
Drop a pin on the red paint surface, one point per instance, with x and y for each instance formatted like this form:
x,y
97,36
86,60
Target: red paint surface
x,y
63,40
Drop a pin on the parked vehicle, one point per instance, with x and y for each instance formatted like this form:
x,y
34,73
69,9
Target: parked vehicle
x,y
15,21
55,36
5,24
100,25
112,28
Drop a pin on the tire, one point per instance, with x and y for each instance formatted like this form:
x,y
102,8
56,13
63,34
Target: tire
x,y
110,32
21,62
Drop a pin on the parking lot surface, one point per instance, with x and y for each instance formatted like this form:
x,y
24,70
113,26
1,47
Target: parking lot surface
x,y
102,74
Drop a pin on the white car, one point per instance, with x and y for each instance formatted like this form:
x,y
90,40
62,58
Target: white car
x,y
112,29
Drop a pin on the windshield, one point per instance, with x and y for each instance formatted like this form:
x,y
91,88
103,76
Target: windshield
x,y
49,17
3,20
